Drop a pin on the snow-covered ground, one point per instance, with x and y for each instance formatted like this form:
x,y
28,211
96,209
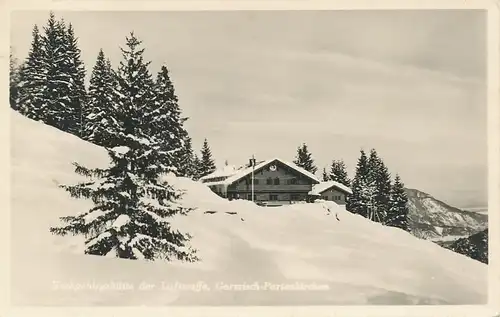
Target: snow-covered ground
x,y
293,255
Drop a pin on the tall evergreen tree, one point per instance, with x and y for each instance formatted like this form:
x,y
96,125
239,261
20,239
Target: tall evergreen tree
x,y
363,189
13,79
398,211
32,79
304,159
57,85
100,99
197,167
132,205
188,167
338,173
59,105
382,181
170,122
207,163
76,71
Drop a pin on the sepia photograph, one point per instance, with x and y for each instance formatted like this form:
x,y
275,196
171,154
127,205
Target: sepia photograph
x,y
248,158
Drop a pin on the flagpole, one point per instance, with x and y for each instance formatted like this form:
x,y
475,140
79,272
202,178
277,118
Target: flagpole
x,y
253,168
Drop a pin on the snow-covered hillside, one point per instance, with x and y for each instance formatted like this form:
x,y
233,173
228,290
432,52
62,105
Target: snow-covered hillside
x,y
251,255
433,219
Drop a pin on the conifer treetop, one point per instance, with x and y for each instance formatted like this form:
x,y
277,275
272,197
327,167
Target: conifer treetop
x,y
169,123
338,173
207,163
397,215
304,159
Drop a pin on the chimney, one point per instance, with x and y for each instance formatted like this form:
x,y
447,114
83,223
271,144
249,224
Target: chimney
x,y
251,162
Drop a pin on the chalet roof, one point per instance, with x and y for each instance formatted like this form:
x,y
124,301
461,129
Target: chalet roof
x,y
235,174
226,171
323,186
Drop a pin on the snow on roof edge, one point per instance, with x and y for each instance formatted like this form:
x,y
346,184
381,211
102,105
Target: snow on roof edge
x,y
245,171
322,186
226,171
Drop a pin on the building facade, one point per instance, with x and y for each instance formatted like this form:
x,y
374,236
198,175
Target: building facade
x,y
272,182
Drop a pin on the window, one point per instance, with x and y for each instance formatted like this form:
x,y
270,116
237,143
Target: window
x,y
294,197
293,181
276,181
213,179
249,197
273,197
249,181
324,197
269,181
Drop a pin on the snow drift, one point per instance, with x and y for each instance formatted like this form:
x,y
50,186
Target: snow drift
x,y
294,255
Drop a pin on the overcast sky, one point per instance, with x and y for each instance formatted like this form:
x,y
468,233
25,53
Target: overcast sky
x,y
409,83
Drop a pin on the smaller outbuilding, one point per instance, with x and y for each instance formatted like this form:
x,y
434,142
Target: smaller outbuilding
x,y
332,191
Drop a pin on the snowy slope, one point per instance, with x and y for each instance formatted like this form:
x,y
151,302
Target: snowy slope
x,y
252,255
433,219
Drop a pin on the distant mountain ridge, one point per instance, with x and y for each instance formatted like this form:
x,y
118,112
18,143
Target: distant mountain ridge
x,y
481,210
432,219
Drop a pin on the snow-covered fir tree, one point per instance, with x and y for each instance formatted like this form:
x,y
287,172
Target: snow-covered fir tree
x,y
197,167
59,107
14,68
76,71
32,80
56,94
132,204
189,167
363,189
397,215
169,122
382,180
207,163
338,173
100,99
304,159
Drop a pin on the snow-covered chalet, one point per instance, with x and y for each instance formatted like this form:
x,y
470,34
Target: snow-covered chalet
x,y
275,182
